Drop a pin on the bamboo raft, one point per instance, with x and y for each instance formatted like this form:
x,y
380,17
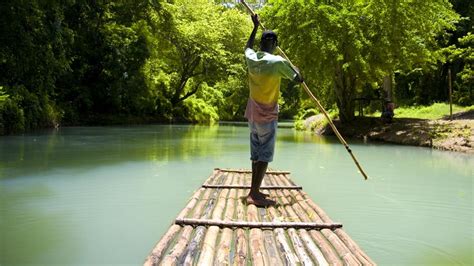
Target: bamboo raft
x,y
217,227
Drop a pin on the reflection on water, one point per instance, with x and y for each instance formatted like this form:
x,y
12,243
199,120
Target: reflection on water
x,y
104,195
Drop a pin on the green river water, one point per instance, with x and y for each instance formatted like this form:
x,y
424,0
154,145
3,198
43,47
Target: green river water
x,y
105,195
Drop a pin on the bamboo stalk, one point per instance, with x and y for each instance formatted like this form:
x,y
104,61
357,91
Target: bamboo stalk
x,y
314,251
248,179
208,249
288,255
248,187
258,225
271,246
230,210
257,252
157,252
285,253
187,258
321,213
354,248
243,171
182,243
296,241
224,247
201,206
329,236
324,252
178,248
191,204
241,246
330,255
341,248
211,179
299,247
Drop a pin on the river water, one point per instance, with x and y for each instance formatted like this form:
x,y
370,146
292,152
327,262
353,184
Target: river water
x,y
105,195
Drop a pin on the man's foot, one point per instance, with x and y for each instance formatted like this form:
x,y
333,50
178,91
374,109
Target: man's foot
x,y
260,201
263,195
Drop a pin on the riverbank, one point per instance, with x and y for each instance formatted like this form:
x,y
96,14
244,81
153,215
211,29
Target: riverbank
x,y
443,134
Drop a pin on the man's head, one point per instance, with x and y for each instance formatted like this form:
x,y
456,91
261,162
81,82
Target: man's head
x,y
269,41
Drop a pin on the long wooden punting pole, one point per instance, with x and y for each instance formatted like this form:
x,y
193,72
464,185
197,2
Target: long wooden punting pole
x,y
310,94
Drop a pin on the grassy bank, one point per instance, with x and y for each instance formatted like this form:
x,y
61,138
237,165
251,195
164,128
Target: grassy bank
x,y
435,111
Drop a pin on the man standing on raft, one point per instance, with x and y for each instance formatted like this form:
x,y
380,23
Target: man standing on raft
x,y
265,73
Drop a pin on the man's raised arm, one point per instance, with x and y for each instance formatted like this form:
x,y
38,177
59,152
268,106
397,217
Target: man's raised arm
x,y
254,32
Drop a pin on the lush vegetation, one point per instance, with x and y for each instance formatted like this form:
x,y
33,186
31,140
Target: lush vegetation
x,y
96,62
434,111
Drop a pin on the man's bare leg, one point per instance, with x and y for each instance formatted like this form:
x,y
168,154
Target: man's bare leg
x,y
255,196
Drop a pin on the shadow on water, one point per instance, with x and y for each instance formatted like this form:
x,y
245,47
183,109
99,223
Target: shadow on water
x,y
86,148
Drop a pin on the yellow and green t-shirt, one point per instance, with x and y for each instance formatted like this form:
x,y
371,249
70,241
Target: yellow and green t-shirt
x,y
265,73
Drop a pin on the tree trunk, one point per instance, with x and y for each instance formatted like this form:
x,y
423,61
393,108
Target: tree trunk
x,y
344,85
387,87
187,73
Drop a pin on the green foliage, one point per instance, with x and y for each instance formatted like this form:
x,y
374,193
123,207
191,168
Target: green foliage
x,y
200,47
343,45
76,62
312,119
464,83
434,111
12,119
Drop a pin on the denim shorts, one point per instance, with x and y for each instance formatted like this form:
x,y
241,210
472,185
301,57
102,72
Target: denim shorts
x,y
262,140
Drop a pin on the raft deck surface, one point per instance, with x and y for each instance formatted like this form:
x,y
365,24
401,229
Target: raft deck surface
x,y
218,227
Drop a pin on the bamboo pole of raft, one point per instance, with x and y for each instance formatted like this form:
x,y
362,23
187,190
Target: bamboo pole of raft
x,y
157,252
315,252
263,187
315,100
343,251
350,244
289,256
335,242
179,247
189,255
295,239
261,225
257,252
271,245
330,254
341,248
225,244
245,171
241,246
181,244
326,254
208,249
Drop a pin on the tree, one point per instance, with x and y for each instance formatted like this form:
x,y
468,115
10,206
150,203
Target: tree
x,y
34,48
198,47
344,45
